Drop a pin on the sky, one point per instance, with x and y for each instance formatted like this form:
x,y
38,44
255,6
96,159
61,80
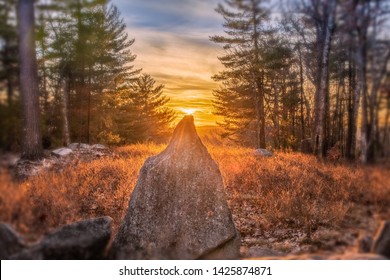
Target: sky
x,y
172,44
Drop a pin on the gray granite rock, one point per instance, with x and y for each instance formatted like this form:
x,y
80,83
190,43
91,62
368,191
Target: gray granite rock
x,y
10,242
62,152
86,239
263,153
178,209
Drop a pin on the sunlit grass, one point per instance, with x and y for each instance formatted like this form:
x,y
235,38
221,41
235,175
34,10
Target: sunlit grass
x,y
288,190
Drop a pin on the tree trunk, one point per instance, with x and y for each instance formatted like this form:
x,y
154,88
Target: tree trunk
x,y
302,93
65,110
32,139
8,73
351,131
322,90
262,143
259,81
276,117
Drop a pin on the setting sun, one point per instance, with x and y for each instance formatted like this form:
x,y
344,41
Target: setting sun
x,y
188,111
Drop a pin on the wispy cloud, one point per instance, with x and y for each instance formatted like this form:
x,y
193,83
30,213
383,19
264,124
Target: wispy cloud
x,y
172,44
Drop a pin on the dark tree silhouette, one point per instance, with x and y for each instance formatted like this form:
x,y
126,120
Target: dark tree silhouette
x,y
32,140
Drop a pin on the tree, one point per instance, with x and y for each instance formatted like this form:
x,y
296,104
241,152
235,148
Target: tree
x,y
142,114
32,140
321,15
243,60
88,55
369,57
9,77
9,52
258,98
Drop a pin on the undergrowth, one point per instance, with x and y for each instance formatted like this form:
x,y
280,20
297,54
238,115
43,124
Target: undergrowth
x,y
288,190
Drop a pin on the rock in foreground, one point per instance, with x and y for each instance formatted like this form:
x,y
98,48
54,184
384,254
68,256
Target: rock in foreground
x,y
10,242
83,240
178,209
382,240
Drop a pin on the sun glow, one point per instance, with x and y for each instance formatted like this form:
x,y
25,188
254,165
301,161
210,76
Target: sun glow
x,y
188,111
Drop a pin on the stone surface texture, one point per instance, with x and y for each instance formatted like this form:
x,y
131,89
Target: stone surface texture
x,y
178,209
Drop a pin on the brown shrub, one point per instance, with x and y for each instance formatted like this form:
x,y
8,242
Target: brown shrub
x,y
287,190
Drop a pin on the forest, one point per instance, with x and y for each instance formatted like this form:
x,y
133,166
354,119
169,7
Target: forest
x,y
316,74
300,141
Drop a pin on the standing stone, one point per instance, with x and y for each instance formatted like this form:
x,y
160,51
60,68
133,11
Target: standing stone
x,y
178,209
382,240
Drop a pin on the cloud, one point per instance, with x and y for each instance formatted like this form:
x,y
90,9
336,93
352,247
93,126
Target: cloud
x,y
171,14
172,44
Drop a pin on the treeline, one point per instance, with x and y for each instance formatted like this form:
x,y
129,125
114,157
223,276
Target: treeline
x,y
89,90
318,75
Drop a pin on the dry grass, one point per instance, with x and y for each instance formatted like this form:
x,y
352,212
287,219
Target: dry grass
x,y
286,191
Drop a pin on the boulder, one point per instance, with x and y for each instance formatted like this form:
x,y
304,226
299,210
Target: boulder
x,y
382,240
86,239
263,153
178,208
31,253
99,147
10,242
77,146
62,152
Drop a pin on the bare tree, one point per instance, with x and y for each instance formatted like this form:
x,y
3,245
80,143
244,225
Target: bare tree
x,y
323,14
32,140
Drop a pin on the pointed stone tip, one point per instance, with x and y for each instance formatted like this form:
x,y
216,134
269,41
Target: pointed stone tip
x,y
185,134
187,123
188,118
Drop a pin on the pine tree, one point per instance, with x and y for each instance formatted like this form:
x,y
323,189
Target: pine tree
x,y
89,57
10,119
142,114
245,28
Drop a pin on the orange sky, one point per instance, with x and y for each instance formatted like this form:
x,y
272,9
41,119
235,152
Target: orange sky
x,y
184,67
172,44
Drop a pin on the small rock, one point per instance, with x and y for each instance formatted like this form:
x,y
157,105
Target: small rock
x,y
382,240
8,160
77,146
10,242
61,152
99,147
263,153
81,240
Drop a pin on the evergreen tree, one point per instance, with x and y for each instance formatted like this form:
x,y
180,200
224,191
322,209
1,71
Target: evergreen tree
x,y
10,119
245,27
258,77
89,56
142,113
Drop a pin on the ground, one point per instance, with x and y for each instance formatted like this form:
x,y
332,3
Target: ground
x,y
286,204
